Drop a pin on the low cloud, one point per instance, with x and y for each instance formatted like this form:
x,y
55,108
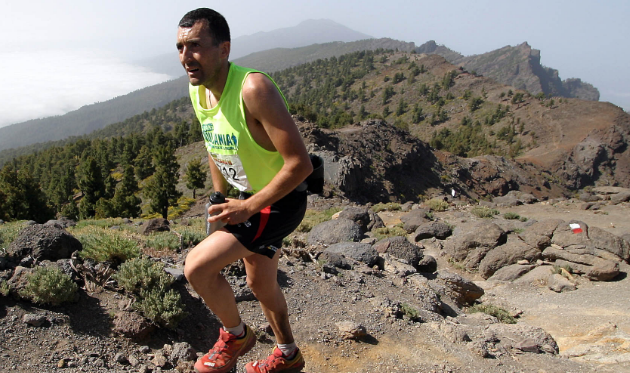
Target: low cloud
x,y
46,83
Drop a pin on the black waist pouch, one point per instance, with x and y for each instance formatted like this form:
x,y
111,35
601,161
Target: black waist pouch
x,y
315,180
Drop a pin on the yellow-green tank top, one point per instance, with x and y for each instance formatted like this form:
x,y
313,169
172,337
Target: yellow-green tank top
x,y
244,164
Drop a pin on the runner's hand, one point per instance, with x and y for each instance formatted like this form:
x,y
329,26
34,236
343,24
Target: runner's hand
x,y
233,211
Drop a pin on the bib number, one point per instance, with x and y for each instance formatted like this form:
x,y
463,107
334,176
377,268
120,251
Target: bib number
x,y
232,170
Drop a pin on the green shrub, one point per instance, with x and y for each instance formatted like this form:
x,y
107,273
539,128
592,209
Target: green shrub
x,y
484,212
385,232
523,219
4,288
151,285
511,215
106,245
9,231
140,274
437,204
390,206
410,312
192,237
162,240
49,285
492,310
164,308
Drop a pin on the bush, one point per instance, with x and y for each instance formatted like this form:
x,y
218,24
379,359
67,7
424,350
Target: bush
x,y
498,312
437,204
511,215
9,232
162,240
390,206
385,232
484,212
102,245
151,285
49,285
164,308
410,312
4,288
140,274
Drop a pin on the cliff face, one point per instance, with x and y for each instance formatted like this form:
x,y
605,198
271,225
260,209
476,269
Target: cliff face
x,y
519,67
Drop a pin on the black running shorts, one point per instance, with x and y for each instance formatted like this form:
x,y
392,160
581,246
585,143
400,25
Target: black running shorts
x,y
266,229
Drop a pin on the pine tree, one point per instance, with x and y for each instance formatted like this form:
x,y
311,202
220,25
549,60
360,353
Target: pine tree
x,y
144,163
195,177
125,202
161,189
91,184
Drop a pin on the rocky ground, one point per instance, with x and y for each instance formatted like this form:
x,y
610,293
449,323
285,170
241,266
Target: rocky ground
x,y
349,316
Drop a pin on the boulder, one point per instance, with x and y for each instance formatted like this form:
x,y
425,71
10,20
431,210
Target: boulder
x,y
507,201
397,267
359,215
400,248
470,248
559,283
511,272
538,275
351,330
616,199
412,220
564,236
156,225
183,351
361,252
335,231
461,291
604,240
435,229
509,253
592,267
43,243
524,337
334,259
132,325
61,223
375,221
427,264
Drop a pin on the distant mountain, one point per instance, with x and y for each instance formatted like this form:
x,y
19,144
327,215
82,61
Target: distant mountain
x,y
519,67
312,31
92,117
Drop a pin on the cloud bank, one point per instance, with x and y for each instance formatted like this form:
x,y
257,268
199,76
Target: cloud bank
x,y
54,82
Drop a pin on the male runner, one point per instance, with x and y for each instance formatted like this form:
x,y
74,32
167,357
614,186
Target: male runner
x,y
255,146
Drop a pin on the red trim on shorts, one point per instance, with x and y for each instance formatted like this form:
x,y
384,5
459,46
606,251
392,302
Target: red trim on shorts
x,y
264,217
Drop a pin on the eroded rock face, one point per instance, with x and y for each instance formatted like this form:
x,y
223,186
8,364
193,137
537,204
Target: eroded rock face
x,y
43,243
457,288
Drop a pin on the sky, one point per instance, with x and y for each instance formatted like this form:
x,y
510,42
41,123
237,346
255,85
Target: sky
x,y
56,56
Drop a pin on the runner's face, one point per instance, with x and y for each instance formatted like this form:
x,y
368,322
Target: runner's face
x,y
200,55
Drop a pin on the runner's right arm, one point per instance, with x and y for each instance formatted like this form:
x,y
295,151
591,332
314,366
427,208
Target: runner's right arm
x,y
219,184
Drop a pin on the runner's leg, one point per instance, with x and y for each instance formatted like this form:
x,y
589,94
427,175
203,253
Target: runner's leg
x,y
203,271
262,278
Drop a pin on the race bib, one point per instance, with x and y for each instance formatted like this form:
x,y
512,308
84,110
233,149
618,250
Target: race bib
x,y
232,169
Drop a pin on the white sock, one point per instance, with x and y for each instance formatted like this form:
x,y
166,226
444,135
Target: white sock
x,y
288,349
238,331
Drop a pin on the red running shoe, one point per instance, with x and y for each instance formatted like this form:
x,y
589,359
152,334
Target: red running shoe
x,y
277,362
223,356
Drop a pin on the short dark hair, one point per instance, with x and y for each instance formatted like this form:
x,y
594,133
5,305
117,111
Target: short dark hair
x,y
217,25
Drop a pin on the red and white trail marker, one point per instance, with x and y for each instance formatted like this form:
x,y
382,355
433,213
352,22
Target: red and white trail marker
x,y
575,228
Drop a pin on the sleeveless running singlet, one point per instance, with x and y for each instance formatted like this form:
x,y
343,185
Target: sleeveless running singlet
x,y
245,165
